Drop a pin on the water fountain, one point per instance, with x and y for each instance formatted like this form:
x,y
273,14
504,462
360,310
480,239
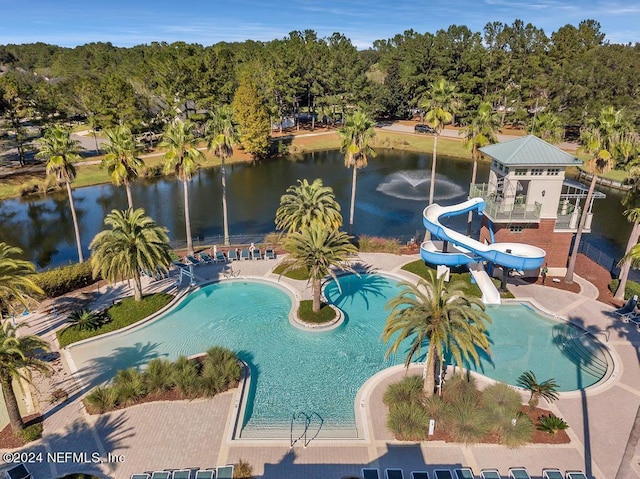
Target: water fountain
x,y
414,185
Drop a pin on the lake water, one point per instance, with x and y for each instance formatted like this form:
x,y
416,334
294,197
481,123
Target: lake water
x,y
391,193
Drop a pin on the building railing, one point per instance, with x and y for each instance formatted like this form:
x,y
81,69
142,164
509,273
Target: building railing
x,y
498,209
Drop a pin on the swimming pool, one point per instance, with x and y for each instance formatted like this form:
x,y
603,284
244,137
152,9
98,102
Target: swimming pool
x,y
316,372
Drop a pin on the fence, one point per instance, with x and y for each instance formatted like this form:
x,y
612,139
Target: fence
x,y
603,259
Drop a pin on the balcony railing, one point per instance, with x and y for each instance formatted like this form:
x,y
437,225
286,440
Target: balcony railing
x,y
499,210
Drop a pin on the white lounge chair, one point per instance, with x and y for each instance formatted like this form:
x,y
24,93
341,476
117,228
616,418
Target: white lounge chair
x,y
464,473
224,472
490,474
393,473
182,474
419,475
443,474
575,475
552,473
518,473
206,474
370,473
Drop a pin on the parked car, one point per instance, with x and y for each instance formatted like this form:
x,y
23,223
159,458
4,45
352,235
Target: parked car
x,y
423,128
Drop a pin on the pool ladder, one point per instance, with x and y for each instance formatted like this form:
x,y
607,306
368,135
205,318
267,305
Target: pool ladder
x,y
307,422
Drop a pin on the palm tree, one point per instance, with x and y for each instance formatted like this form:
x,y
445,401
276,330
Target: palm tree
x,y
600,163
481,131
121,160
440,103
134,243
307,203
18,357
318,249
631,201
15,283
357,135
221,133
548,127
445,315
546,389
181,158
61,151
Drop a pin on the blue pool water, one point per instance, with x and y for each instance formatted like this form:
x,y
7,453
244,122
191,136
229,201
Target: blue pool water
x,y
295,370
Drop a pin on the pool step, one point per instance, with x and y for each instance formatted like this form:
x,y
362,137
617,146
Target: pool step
x,y
582,349
283,431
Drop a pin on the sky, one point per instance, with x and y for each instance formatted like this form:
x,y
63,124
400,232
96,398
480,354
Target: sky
x,y
133,22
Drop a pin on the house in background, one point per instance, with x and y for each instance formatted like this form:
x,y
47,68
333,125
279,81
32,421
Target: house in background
x,y
528,198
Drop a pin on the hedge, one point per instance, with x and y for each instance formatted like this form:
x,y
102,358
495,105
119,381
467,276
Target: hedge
x,y
64,279
630,289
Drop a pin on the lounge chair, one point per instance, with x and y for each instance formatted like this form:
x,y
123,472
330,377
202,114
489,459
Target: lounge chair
x,y
257,254
629,306
518,473
193,260
140,476
224,472
549,473
269,253
161,475
232,255
443,474
370,473
221,257
393,473
490,474
464,473
205,258
575,475
419,475
180,264
244,254
206,474
19,471
182,474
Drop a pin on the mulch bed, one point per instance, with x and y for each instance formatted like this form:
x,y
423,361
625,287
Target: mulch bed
x,y
538,437
8,440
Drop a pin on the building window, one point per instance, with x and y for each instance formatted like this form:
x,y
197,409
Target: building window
x,y
521,171
536,171
516,229
553,171
506,170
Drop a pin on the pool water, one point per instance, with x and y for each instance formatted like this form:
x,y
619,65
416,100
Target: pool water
x,y
318,373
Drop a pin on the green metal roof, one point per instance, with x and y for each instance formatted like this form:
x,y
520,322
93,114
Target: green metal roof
x,y
529,150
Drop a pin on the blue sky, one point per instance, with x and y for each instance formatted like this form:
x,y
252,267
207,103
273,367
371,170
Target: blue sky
x,y
133,22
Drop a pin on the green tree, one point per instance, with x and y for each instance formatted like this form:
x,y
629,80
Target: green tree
x,y
16,103
545,389
253,119
440,103
549,127
356,138
318,249
444,315
15,283
600,163
631,201
61,151
181,158
221,134
18,357
305,204
121,159
134,243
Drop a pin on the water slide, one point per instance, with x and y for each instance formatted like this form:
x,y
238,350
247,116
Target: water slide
x,y
458,249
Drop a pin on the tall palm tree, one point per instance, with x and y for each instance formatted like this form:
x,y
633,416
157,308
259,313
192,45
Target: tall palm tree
x,y
15,283
60,151
221,133
546,389
444,315
18,357
306,203
180,158
357,135
318,249
480,131
440,103
549,127
134,243
631,201
121,159
600,163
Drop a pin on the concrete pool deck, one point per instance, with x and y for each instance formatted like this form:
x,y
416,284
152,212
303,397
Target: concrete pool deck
x,y
184,434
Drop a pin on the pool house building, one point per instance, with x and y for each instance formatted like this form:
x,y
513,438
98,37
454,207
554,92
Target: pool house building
x,y
528,198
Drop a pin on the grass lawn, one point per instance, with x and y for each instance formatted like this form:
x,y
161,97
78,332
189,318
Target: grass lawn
x,y
297,273
122,315
306,314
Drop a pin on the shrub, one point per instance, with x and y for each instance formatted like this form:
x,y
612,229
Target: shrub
x,y
101,399
129,386
459,386
551,424
158,377
85,320
212,379
64,279
31,432
408,421
630,289
242,470
407,390
501,395
464,422
518,434
185,376
436,408
374,244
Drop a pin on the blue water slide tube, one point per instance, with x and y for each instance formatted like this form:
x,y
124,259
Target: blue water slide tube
x,y
510,255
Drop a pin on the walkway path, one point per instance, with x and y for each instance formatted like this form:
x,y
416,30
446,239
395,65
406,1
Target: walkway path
x,y
197,434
